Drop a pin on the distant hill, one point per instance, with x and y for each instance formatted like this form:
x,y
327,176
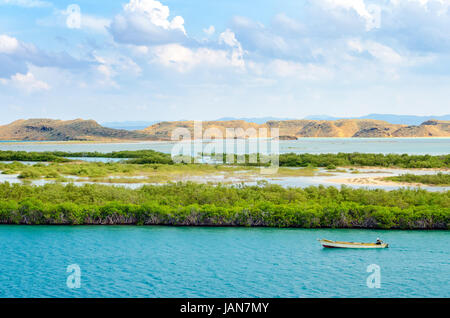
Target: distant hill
x,y
163,130
393,119
129,125
79,129
294,129
59,130
255,120
390,118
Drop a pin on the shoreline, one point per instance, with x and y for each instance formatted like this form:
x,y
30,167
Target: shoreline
x,y
192,204
212,226
125,141
396,168
370,181
379,181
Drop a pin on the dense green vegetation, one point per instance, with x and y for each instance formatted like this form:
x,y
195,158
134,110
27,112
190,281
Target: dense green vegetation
x,y
118,172
31,156
193,204
440,179
57,170
330,161
92,169
360,159
149,156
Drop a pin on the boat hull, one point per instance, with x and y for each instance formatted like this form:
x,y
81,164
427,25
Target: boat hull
x,y
335,244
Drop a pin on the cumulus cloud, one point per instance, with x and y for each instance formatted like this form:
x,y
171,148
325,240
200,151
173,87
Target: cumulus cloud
x,y
147,22
184,59
420,26
338,34
111,66
237,55
256,37
26,82
26,3
378,51
210,31
118,64
8,44
368,13
15,57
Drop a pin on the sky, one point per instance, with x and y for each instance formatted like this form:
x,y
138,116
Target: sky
x,y
146,60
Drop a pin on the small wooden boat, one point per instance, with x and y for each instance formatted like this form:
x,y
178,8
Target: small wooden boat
x,y
336,244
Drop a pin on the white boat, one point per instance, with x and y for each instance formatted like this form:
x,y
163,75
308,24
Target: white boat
x,y
336,244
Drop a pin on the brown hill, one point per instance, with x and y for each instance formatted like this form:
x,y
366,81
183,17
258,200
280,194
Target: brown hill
x,y
431,128
338,128
59,130
294,129
211,129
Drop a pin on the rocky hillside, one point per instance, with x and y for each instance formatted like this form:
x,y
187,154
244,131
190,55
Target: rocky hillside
x,y
212,129
59,130
294,129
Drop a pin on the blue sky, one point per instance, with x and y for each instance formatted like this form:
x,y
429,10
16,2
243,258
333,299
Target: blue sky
x,y
178,59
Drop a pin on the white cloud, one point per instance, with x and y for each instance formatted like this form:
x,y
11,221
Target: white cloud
x,y
379,51
358,5
229,38
370,13
422,2
184,59
210,30
28,83
288,24
26,3
88,22
8,44
263,40
157,13
16,57
147,22
112,66
96,24
118,64
237,55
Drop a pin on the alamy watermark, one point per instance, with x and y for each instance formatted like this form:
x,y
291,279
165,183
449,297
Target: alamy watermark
x,y
74,279
234,145
73,20
374,279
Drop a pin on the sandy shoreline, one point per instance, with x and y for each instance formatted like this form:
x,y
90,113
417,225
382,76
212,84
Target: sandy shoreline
x,y
78,142
121,141
387,169
379,181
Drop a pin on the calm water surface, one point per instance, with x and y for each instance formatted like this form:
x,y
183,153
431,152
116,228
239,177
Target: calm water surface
x,y
432,146
218,262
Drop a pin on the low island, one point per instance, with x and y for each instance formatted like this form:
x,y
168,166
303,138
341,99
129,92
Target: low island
x,y
168,198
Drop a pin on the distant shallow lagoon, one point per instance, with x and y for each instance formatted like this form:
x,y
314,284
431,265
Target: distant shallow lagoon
x,y
323,177
431,146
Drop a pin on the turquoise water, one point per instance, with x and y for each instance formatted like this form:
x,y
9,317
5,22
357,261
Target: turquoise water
x,y
432,146
218,262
